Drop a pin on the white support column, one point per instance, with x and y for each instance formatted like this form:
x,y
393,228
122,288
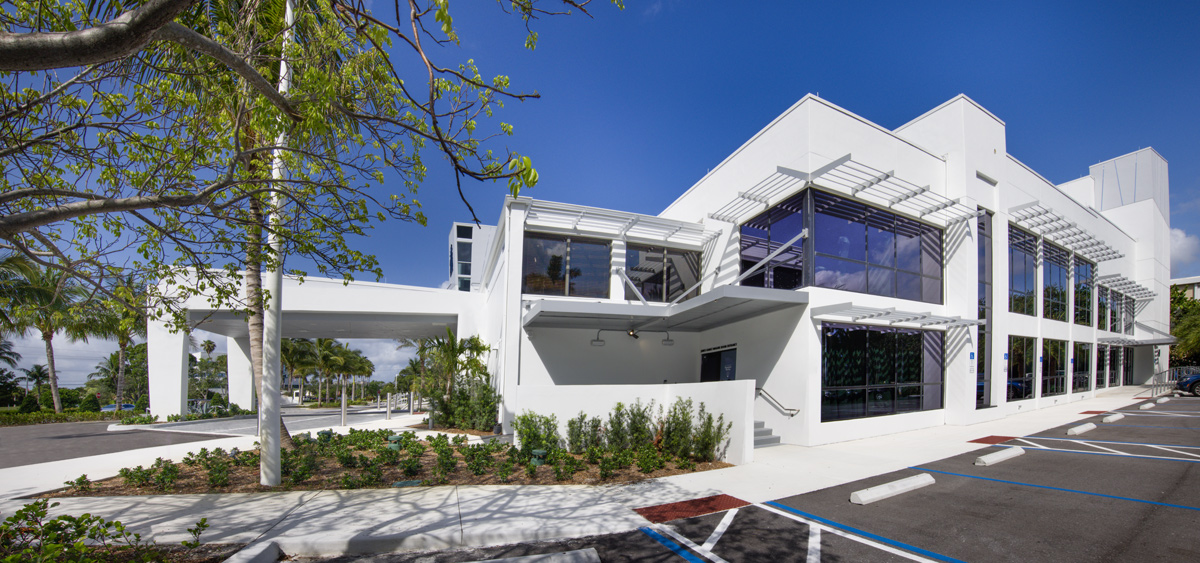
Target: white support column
x,y
241,382
168,366
511,334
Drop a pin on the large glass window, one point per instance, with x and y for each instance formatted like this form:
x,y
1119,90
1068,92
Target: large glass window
x,y
983,368
1102,308
1022,361
875,371
1116,304
1101,366
1114,366
1127,364
661,274
556,265
766,233
867,250
1022,271
1081,367
1084,271
1055,261
1054,367
1127,316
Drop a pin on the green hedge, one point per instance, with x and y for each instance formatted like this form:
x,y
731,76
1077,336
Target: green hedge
x,y
22,419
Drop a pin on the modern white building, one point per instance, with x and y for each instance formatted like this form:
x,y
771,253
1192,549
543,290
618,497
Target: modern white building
x,y
831,279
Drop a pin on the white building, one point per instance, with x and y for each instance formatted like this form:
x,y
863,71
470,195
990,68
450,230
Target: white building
x,y
831,278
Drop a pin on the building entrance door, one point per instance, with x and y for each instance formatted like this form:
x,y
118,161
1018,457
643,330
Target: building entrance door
x,y
718,365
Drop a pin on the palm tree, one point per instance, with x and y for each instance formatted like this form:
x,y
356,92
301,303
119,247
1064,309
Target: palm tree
x,y
208,346
298,357
13,269
110,371
7,354
46,301
329,357
37,375
122,321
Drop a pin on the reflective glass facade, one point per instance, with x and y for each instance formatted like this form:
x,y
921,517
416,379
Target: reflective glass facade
x,y
768,232
1022,271
1081,367
1022,363
1054,367
570,266
1102,308
1084,272
983,368
875,371
661,274
1055,263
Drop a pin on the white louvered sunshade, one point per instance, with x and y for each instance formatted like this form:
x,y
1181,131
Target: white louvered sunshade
x,y
1048,223
552,217
852,178
1125,286
849,312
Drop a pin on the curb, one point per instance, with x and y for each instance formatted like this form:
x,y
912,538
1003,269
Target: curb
x,y
263,552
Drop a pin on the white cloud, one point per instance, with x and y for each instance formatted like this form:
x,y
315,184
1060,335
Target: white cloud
x,y
383,353
1185,249
73,361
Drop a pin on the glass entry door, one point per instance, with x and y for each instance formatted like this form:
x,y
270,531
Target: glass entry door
x,y
718,365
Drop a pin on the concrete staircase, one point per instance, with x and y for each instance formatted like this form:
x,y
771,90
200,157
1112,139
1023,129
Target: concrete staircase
x,y
763,436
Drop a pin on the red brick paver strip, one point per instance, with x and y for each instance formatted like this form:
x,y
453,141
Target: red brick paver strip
x,y
689,508
1093,412
992,439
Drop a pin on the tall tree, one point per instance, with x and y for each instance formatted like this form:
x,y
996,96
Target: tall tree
x,y
7,354
38,375
298,356
48,301
122,319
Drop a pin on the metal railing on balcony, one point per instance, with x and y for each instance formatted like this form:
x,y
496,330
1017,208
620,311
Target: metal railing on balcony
x,y
1164,381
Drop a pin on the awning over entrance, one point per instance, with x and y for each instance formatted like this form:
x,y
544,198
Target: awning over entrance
x,y
1044,221
1125,285
323,324
718,307
849,312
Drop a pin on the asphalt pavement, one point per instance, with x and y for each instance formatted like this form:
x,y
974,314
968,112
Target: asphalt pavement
x,y
41,443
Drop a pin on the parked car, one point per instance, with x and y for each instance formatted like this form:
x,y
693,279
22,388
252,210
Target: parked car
x,y
1189,384
113,407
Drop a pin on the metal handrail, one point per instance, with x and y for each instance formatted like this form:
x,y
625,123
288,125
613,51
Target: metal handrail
x,y
775,402
1164,381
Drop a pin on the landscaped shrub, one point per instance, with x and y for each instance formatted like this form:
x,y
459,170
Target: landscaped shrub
x,y
28,535
575,440
618,428
536,432
89,404
641,424
677,429
142,404
29,404
711,435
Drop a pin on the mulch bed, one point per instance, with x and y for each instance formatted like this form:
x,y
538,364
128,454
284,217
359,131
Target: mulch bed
x,y
689,508
328,475
204,553
451,430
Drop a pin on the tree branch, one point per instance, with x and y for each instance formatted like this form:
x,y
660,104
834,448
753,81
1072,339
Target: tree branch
x,y
121,37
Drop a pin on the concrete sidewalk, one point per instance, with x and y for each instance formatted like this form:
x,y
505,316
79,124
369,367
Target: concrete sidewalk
x,y
380,520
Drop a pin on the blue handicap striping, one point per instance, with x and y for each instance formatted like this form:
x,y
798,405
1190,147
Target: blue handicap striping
x,y
679,550
866,534
1047,487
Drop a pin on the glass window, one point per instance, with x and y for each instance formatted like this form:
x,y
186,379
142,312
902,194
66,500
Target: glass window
x,y
1115,302
1081,367
1101,366
1022,360
766,233
1054,367
554,265
464,252
1055,261
1127,364
983,369
1130,309
867,250
661,274
1114,366
875,371
463,231
1022,268
1084,271
1102,308
464,284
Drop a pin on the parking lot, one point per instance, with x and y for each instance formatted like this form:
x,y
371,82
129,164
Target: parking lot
x,y
1128,490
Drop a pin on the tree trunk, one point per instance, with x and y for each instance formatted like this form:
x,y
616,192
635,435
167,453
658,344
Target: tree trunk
x,y
120,374
254,302
300,399
48,337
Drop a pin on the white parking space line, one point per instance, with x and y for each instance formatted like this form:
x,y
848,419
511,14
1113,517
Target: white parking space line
x,y
1112,442
1031,444
847,535
814,545
704,552
1100,447
720,529
1175,451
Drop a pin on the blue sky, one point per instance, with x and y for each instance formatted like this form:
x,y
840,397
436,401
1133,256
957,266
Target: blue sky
x,y
639,104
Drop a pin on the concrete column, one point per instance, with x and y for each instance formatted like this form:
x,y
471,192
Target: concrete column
x,y
241,382
510,370
168,364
